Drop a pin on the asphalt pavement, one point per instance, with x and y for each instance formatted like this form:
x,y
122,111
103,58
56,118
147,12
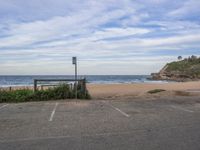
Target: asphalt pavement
x,y
101,125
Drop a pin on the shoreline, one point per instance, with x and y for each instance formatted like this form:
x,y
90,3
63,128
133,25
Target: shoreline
x,y
102,83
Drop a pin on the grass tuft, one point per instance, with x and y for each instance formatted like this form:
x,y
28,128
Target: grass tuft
x,y
155,91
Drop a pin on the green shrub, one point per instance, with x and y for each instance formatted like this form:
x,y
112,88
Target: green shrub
x,y
156,91
61,92
83,95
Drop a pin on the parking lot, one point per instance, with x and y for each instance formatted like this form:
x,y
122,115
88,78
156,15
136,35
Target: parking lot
x,y
100,125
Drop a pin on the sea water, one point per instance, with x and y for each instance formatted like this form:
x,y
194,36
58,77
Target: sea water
x,y
27,80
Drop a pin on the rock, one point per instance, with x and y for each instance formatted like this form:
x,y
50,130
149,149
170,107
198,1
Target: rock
x,y
171,76
184,70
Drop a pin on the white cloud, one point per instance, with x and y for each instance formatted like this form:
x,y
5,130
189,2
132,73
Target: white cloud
x,y
81,22
88,66
188,8
119,32
177,40
105,35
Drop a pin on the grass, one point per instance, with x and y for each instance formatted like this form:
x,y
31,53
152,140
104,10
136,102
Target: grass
x,y
61,92
156,91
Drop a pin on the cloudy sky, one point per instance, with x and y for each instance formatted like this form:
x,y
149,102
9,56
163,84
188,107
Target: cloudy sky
x,y
107,36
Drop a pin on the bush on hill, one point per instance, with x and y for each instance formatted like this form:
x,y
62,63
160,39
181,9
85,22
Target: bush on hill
x,y
189,66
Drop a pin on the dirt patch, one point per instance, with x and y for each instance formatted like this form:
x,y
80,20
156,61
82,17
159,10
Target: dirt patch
x,y
182,93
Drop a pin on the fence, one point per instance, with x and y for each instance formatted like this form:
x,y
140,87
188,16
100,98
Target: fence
x,y
72,82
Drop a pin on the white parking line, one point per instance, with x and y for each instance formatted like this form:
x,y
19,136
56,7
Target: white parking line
x,y
181,108
123,113
3,106
53,112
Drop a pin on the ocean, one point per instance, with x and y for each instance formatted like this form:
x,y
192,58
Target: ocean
x,y
27,80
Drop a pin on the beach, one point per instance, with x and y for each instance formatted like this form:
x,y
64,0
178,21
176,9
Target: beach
x,y
140,90
134,90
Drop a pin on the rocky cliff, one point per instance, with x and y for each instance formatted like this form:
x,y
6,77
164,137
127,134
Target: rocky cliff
x,y
183,70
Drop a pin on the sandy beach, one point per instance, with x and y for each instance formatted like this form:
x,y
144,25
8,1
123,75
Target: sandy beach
x,y
140,90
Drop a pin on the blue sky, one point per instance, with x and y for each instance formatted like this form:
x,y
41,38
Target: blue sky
x,y
107,36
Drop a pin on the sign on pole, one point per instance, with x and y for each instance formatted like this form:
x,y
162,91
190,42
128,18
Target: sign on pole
x,y
74,62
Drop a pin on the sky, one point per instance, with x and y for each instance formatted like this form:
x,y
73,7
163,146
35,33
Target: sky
x,y
109,37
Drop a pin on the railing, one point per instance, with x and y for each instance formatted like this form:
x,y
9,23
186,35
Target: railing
x,y
80,82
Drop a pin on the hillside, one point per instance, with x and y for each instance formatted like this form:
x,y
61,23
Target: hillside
x,y
182,70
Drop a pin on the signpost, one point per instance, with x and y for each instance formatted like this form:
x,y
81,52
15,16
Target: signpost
x,y
74,62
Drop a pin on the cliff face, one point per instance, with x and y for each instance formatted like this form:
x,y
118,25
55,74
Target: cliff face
x,y
185,70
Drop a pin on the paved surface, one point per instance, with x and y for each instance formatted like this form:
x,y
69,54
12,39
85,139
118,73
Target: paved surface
x,y
101,125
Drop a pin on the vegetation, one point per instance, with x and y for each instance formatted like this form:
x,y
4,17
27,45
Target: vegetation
x,y
180,58
190,67
156,91
60,92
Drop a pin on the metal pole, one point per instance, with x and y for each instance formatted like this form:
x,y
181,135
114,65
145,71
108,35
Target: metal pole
x,y
76,80
74,62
